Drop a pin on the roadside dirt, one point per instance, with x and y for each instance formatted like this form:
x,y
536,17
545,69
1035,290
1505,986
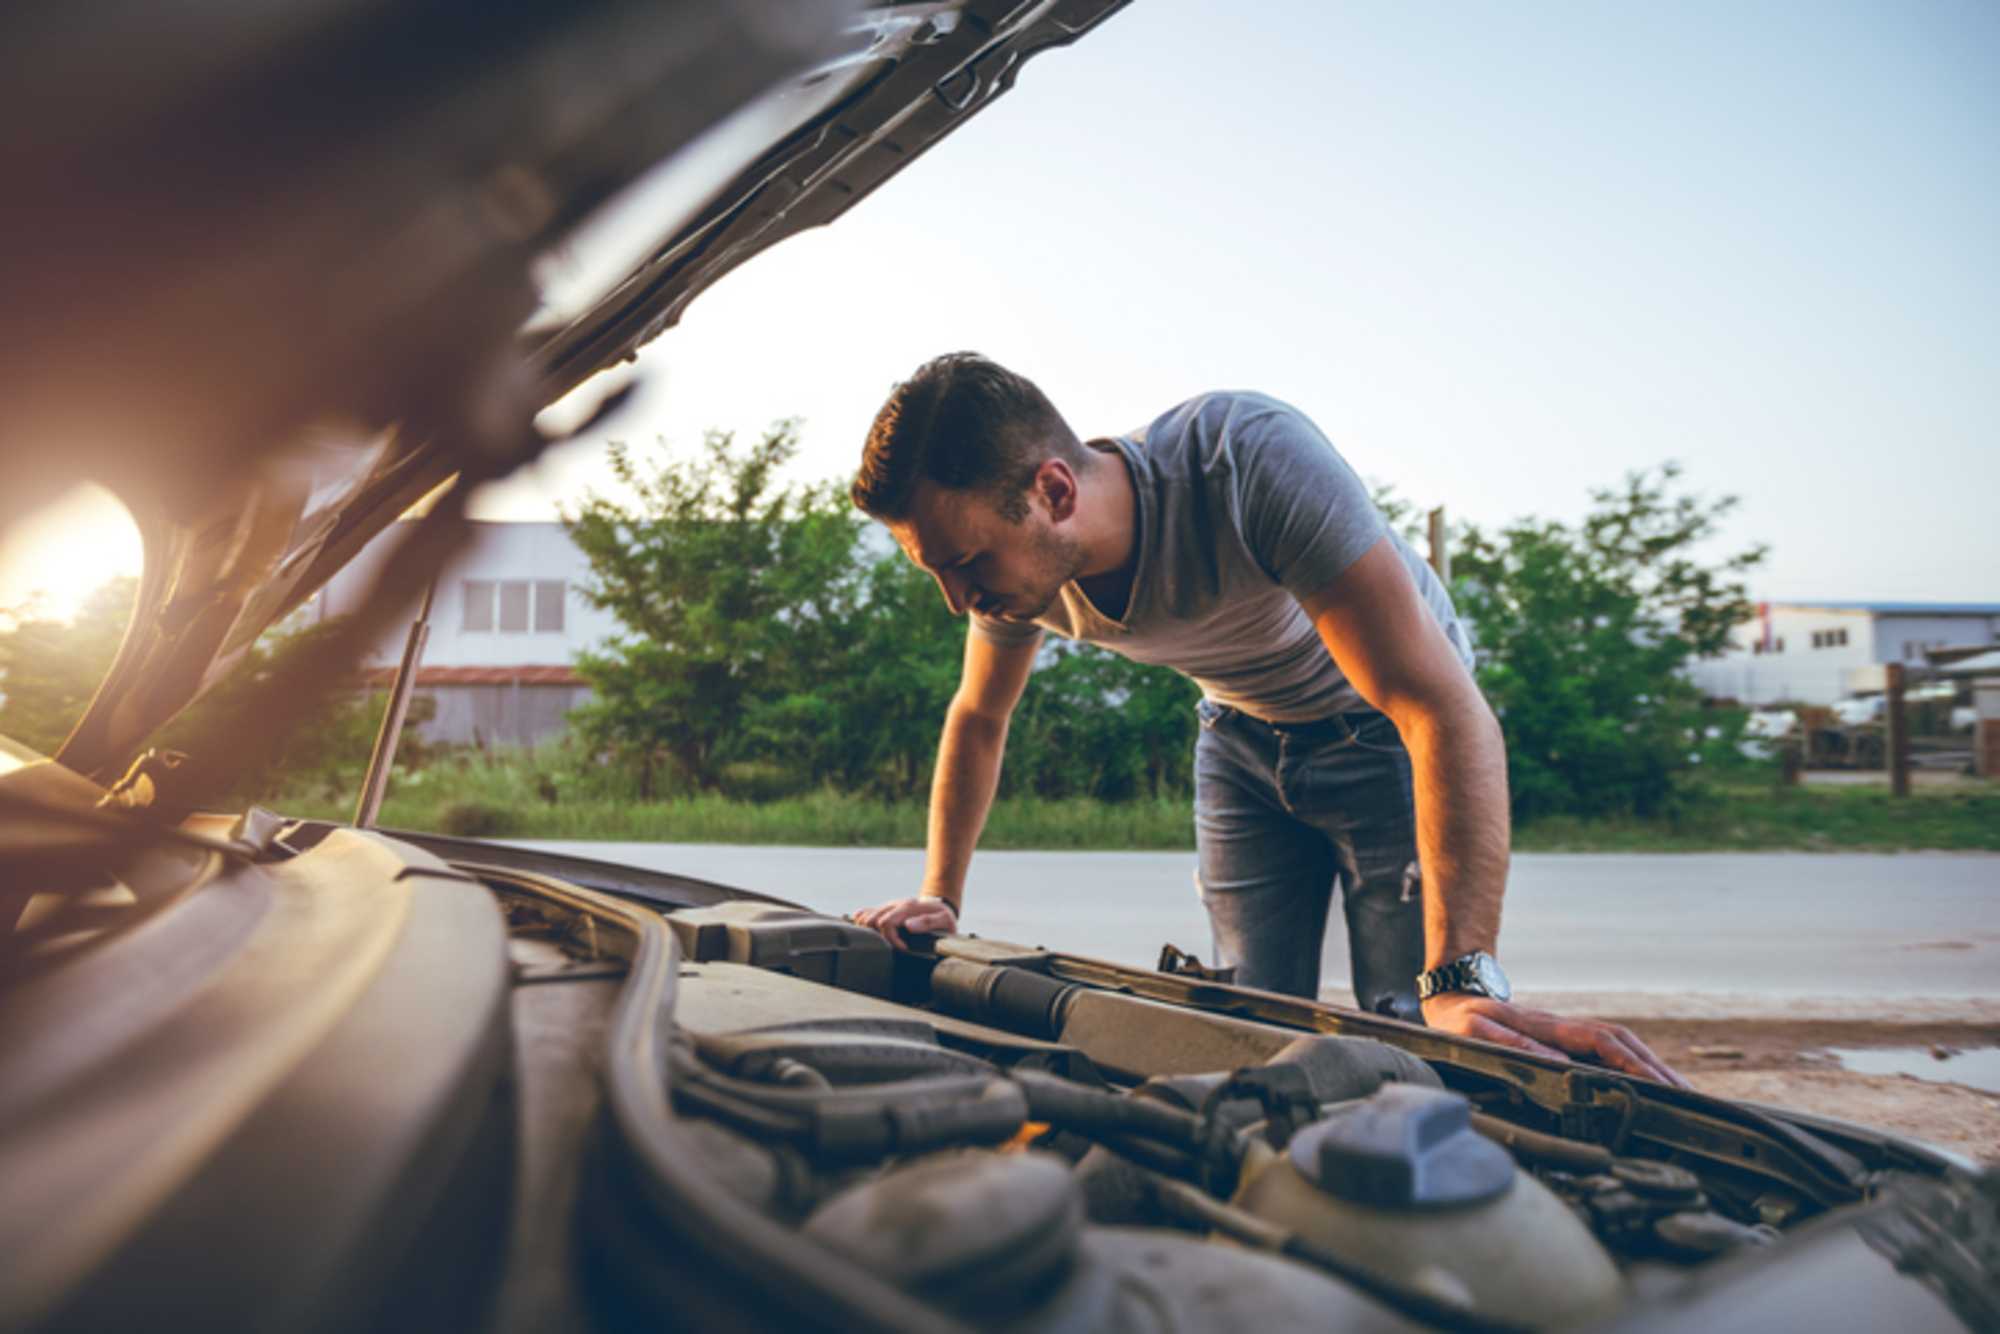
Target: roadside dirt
x,y
1776,1052
1784,1064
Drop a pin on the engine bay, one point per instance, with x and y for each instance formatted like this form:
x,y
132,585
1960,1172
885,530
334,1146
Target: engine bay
x,y
302,1076
1017,1139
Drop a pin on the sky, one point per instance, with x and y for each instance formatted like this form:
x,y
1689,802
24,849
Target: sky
x,y
1502,254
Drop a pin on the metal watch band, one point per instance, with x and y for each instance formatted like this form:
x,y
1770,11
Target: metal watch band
x,y
1461,974
1451,977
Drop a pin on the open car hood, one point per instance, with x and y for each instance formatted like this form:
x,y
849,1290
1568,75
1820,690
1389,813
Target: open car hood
x,y
285,272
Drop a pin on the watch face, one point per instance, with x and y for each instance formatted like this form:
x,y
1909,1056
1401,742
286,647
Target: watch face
x,y
1487,969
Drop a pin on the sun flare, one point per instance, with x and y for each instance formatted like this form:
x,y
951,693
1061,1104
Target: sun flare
x,y
53,560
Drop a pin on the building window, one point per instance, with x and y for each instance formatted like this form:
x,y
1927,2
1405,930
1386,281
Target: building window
x,y
1829,638
478,605
514,606
549,606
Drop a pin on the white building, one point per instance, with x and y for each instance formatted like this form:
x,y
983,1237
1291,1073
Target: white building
x,y
506,625
1820,652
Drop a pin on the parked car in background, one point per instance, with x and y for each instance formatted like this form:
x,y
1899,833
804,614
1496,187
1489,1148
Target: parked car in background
x,y
1770,724
1861,709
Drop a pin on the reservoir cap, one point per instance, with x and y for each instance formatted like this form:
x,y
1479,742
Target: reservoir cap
x,y
1403,1147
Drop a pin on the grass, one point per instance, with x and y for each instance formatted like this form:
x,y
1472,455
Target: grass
x,y
1746,818
821,819
510,798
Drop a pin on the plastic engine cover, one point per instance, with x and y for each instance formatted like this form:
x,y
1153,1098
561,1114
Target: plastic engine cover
x,y
787,940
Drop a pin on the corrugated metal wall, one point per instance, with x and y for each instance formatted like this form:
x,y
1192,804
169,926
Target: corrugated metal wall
x,y
498,715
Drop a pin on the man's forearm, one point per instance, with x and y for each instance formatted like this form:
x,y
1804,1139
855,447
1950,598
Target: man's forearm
x,y
962,787
1459,773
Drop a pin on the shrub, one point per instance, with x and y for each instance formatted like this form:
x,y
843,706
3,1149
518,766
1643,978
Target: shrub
x,y
1585,633
760,781
477,819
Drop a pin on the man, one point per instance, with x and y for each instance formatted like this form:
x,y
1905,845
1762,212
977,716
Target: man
x,y
1342,735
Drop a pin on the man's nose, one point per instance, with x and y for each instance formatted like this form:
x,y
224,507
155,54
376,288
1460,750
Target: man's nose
x,y
955,588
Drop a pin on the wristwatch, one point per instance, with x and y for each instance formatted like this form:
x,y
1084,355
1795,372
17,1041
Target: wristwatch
x,y
1477,973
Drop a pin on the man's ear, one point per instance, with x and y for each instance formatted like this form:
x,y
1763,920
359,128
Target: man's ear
x,y
1055,485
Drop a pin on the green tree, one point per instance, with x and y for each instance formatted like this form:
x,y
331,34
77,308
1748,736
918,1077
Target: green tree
x,y
1093,724
1158,705
326,751
49,669
734,590
1584,633
870,715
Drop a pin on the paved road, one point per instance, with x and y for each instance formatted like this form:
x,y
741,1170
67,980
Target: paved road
x,y
1775,924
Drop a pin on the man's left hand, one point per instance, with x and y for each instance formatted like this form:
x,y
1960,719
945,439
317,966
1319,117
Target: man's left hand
x,y
1546,1034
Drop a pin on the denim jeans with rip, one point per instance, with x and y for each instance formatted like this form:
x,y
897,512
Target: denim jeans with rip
x,y
1282,812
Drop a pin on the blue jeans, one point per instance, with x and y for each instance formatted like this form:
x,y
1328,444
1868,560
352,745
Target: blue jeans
x,y
1280,812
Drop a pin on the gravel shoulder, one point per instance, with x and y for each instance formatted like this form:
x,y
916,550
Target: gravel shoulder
x,y
1774,1051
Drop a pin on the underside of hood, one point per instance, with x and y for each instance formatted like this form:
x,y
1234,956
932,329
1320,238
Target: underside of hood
x,y
275,274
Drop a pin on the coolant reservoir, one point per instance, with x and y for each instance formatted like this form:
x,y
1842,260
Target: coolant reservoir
x,y
996,1240
1400,1184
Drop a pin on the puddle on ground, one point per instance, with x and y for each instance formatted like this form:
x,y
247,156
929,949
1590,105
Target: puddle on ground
x,y
1975,1067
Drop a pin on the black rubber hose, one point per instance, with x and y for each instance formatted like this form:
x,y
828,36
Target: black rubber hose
x,y
1155,1157
697,1094
1017,999
857,1129
854,1064
1093,1113
1342,1068
787,1098
1532,1146
796,1074
865,1122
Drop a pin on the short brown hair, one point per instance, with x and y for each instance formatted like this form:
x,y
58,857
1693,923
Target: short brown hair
x,y
967,424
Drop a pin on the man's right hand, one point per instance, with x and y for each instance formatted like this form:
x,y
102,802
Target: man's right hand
x,y
923,915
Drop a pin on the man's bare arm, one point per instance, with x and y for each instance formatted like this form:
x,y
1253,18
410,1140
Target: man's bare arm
x,y
969,757
1376,626
962,784
1390,646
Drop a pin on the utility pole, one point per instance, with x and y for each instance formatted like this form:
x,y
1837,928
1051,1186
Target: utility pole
x,y
1440,552
1896,721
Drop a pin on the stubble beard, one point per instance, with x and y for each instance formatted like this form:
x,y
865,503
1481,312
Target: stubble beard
x,y
1058,559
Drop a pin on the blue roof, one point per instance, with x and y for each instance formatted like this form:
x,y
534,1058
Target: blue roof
x,y
1899,608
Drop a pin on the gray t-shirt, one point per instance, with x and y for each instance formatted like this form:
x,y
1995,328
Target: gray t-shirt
x,y
1243,509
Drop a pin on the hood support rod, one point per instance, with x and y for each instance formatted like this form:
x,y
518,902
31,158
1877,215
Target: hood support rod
x,y
376,785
